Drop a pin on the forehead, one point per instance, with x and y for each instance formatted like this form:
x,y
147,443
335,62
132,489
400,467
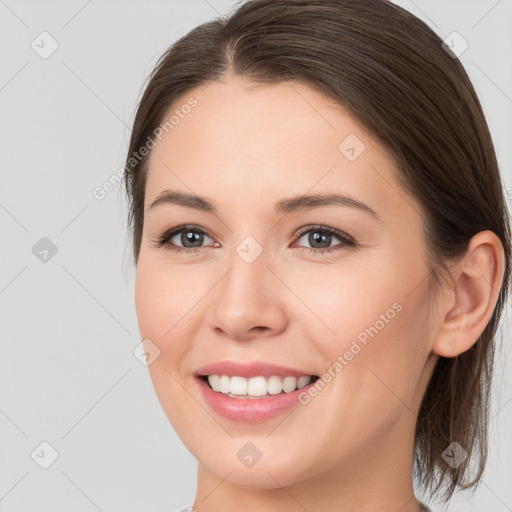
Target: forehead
x,y
240,142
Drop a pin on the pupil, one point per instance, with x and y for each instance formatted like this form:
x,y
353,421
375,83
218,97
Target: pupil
x,y
193,237
316,238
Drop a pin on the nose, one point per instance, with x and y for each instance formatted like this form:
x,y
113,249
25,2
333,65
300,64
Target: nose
x,y
248,302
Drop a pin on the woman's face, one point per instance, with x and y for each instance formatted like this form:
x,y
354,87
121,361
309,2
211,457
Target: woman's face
x,y
252,289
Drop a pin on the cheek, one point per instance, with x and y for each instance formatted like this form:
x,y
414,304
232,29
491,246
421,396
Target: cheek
x,y
341,301
370,322
161,303
383,354
160,307
164,300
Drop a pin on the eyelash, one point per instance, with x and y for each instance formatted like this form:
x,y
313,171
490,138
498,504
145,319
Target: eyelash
x,y
347,241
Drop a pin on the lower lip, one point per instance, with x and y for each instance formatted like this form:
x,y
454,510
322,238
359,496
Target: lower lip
x,y
250,410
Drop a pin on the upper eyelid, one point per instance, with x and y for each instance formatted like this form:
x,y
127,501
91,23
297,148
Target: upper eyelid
x,y
336,232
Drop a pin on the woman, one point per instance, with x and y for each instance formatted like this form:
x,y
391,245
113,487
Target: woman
x,y
323,255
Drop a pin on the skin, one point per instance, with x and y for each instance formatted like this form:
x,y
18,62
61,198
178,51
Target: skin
x,y
245,147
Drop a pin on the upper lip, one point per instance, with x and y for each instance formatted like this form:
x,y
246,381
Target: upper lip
x,y
247,370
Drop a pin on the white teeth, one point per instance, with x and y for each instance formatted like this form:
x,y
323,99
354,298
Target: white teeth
x,y
224,384
257,386
289,384
214,381
303,381
274,385
240,387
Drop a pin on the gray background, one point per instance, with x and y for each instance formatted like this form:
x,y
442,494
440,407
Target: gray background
x,y
68,325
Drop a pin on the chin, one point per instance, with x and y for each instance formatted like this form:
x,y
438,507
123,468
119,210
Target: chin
x,y
263,475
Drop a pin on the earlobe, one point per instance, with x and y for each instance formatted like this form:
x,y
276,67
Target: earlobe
x,y
470,304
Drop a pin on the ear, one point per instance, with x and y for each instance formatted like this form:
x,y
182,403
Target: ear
x,y
467,307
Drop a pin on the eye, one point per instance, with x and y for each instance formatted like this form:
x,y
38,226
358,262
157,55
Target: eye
x,y
192,238
321,237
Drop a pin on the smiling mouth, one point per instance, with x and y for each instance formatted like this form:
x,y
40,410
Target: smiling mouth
x,y
256,387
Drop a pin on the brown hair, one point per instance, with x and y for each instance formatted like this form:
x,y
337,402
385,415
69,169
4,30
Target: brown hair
x,y
390,71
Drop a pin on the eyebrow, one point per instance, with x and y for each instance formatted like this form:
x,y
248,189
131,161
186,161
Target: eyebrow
x,y
285,206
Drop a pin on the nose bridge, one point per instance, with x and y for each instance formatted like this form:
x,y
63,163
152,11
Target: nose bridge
x,y
249,274
247,296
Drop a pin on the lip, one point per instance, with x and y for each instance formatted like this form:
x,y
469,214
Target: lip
x,y
247,370
250,410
